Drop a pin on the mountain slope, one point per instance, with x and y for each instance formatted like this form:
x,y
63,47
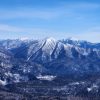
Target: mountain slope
x,y
50,56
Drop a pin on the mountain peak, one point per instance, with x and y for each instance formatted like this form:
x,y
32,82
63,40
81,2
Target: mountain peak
x,y
50,39
24,38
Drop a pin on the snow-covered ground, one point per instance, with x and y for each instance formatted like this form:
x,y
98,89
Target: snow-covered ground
x,y
46,77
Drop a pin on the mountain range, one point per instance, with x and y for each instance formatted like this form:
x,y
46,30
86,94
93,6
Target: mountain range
x,y
23,60
49,69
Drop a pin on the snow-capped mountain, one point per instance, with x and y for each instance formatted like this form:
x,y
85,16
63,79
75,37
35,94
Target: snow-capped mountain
x,y
48,56
50,49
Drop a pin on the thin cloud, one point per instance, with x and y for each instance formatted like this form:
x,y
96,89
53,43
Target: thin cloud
x,y
92,35
8,28
62,10
30,14
84,6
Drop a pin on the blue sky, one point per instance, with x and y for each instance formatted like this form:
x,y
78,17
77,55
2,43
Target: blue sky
x,y
50,18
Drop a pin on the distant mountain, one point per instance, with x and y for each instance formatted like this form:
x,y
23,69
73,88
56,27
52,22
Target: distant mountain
x,y
81,43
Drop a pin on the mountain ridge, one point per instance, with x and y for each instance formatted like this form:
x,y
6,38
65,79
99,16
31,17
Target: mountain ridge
x,y
49,56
